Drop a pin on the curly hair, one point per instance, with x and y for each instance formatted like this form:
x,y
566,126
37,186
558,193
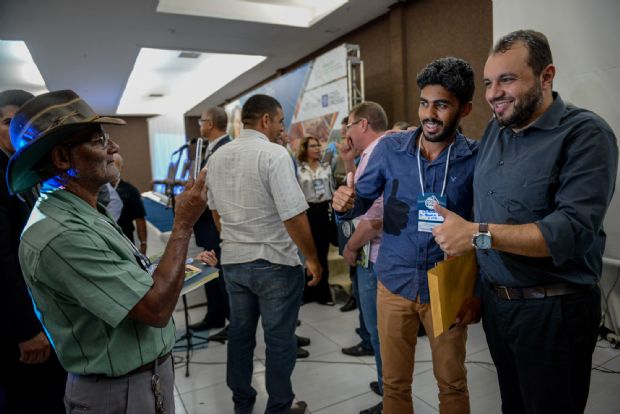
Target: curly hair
x,y
454,74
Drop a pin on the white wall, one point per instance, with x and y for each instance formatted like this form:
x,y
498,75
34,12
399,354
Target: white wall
x,y
585,41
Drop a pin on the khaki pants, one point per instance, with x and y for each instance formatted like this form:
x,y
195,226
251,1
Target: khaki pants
x,y
398,319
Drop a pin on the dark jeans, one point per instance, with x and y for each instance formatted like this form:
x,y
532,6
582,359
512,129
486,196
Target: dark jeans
x,y
542,349
363,332
272,292
367,285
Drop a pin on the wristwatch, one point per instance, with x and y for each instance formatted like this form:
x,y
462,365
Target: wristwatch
x,y
482,239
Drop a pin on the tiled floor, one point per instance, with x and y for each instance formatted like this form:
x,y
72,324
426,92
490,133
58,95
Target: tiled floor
x,y
333,383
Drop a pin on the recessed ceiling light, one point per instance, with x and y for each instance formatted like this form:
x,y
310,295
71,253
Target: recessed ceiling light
x,y
298,13
178,84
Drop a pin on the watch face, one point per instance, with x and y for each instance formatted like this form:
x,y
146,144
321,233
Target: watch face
x,y
483,241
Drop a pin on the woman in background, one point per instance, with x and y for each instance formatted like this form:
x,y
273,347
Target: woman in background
x,y
315,179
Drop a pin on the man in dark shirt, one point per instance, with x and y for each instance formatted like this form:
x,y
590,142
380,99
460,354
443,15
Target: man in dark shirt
x,y
544,178
30,374
411,168
133,209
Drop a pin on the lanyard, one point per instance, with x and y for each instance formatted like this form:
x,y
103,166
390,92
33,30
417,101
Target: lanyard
x,y
142,260
445,176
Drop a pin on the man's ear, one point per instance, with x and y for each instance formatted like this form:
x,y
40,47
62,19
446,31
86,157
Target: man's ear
x,y
465,109
60,157
546,76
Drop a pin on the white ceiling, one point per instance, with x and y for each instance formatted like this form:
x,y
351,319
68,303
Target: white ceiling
x,y
91,46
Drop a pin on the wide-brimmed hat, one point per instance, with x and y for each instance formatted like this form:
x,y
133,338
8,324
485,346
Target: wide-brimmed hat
x,y
40,124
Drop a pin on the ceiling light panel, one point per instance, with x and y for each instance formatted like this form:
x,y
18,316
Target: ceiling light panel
x,y
163,82
18,69
298,13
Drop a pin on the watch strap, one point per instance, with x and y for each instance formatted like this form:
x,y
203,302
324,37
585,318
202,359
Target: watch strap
x,y
483,227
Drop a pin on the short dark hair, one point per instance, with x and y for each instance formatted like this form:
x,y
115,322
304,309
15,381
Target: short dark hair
x,y
454,74
373,113
15,97
257,106
539,52
218,117
345,120
302,152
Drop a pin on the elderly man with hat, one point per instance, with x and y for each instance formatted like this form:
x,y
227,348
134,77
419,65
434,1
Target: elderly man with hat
x,y
106,311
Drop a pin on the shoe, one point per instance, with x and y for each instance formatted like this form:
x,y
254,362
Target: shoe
x,y
221,336
376,409
350,305
205,325
300,407
302,353
326,302
358,350
374,386
421,331
302,341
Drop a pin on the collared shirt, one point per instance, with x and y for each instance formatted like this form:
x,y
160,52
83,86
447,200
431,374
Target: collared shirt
x,y
84,279
405,253
559,173
212,144
375,212
317,186
253,187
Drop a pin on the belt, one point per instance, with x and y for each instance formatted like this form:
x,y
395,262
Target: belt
x,y
144,368
538,292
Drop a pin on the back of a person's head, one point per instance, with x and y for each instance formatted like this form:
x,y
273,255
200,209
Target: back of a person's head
x,y
373,113
539,51
454,74
401,125
257,106
14,97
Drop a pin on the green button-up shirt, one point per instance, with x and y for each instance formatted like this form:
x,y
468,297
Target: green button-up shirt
x,y
84,279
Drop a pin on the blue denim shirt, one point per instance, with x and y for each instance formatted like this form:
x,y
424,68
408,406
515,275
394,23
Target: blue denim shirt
x,y
405,253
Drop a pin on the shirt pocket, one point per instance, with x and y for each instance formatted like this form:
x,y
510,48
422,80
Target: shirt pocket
x,y
528,196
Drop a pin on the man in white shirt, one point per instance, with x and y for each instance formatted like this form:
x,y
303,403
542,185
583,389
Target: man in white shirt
x,y
260,210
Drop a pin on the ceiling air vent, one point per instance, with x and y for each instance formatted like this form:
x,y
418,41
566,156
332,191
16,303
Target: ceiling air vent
x,y
189,55
156,95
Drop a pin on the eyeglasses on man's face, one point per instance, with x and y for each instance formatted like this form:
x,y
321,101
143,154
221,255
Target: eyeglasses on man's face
x,y
201,121
349,125
102,140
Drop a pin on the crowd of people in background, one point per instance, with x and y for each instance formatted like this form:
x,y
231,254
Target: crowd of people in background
x,y
266,215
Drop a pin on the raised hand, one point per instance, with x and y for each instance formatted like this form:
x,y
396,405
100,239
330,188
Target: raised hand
x,y
455,234
344,197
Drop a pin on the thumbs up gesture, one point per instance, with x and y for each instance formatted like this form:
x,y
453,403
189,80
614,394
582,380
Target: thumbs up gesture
x,y
455,234
344,197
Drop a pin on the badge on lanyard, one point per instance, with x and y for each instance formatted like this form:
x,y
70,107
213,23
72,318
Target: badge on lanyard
x,y
428,218
319,186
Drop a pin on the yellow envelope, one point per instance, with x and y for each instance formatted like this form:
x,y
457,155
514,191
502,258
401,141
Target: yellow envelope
x,y
450,283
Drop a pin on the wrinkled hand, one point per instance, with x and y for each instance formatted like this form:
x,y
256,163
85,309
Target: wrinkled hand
x,y
191,203
313,269
208,257
455,234
344,197
35,350
469,313
350,255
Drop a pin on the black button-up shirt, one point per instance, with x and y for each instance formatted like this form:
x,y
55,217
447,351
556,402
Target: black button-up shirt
x,y
559,173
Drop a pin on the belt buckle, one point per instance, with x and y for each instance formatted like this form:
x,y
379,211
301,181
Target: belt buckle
x,y
506,292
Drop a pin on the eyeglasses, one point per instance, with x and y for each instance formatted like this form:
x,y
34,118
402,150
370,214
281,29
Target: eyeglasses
x,y
202,121
102,141
353,123
314,146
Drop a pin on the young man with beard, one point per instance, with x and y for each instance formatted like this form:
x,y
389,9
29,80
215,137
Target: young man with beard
x,y
544,179
411,169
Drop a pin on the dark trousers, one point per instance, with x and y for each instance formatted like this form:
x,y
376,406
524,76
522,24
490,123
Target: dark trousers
x,y
30,388
318,218
217,299
542,349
